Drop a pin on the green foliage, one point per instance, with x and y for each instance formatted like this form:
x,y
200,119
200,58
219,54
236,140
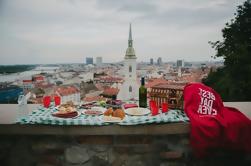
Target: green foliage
x,y
233,81
59,83
15,68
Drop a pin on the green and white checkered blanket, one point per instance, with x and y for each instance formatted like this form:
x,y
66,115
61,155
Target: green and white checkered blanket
x,y
43,116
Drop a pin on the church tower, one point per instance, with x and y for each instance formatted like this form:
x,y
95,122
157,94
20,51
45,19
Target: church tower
x,y
129,89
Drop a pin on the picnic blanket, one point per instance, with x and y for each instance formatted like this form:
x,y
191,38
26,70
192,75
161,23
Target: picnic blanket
x,y
43,116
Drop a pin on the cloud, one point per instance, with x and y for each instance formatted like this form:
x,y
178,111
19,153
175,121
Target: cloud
x,y
138,6
61,31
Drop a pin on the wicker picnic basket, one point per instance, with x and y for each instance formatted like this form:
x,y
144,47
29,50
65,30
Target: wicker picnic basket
x,y
168,93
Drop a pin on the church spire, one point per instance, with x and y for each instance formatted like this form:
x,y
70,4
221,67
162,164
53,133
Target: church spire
x,y
130,32
130,44
130,53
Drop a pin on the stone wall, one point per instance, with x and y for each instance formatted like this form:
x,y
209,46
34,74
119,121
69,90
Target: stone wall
x,y
170,150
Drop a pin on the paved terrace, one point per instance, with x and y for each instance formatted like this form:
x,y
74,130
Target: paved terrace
x,y
8,113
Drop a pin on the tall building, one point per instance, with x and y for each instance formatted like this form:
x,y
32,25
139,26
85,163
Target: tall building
x,y
151,61
179,72
99,61
89,60
180,63
130,87
159,61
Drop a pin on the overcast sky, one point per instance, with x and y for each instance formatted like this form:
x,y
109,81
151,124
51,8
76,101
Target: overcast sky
x,y
67,31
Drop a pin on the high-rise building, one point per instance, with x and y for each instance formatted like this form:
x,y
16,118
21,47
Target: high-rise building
x,y
151,61
129,89
99,61
179,72
159,61
180,63
89,60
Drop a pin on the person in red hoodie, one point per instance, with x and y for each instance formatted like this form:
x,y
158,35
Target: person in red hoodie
x,y
211,124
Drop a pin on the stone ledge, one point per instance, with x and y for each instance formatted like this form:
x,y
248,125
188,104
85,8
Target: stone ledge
x,y
151,129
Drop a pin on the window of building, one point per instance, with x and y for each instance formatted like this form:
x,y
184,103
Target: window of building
x,y
130,88
130,69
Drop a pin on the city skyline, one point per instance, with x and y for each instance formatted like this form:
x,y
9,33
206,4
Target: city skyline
x,y
67,31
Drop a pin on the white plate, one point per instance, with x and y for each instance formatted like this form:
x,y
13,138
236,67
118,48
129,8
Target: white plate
x,y
137,111
101,109
111,119
57,107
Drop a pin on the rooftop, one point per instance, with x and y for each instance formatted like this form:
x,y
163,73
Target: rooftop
x,y
92,98
110,79
156,81
27,81
67,90
110,91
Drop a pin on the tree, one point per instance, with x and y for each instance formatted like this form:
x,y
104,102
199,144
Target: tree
x,y
233,81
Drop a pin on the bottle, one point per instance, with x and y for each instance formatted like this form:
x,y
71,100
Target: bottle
x,y
142,94
22,107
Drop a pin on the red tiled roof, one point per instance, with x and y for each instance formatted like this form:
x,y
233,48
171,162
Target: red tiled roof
x,y
99,87
43,85
93,98
41,78
111,91
170,86
67,90
27,81
156,81
110,79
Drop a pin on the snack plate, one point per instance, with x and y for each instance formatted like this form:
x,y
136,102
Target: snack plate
x,y
54,115
86,105
96,111
111,119
137,111
57,107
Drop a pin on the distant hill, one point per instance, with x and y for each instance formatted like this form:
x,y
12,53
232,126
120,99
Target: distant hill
x,y
8,69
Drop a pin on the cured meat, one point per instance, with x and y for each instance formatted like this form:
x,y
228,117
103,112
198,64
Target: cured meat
x,y
91,112
65,115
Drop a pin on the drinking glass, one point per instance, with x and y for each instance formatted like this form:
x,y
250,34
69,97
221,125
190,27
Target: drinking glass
x,y
46,101
57,100
153,108
164,107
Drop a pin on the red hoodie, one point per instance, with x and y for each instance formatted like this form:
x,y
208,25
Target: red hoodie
x,y
212,124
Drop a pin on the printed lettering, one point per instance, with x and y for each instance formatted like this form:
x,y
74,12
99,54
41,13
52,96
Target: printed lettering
x,y
204,93
200,93
208,95
214,112
213,97
210,105
200,109
206,103
201,101
204,109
